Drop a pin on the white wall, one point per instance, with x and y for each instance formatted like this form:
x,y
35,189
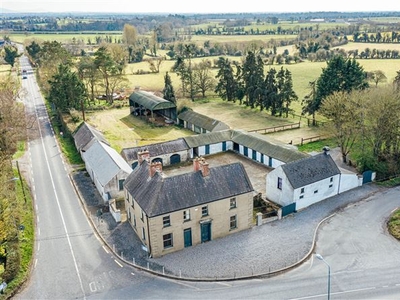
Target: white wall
x,y
282,197
349,181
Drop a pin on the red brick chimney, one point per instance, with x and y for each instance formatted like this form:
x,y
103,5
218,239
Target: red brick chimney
x,y
155,167
196,165
205,170
143,155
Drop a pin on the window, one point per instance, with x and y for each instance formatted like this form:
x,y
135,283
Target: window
x,y
302,191
279,183
121,184
186,215
232,203
141,215
233,222
143,234
134,220
167,240
204,211
301,197
316,192
331,185
331,179
166,221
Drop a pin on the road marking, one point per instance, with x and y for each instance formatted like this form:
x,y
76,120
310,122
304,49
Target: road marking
x,y
397,284
105,249
36,207
39,231
38,246
59,207
35,263
37,218
133,274
224,284
337,293
118,263
385,286
92,286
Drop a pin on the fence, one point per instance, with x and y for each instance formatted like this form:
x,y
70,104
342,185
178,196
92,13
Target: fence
x,y
277,128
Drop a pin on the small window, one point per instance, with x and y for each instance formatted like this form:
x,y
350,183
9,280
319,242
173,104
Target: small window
x,y
316,192
167,240
143,234
186,215
134,220
331,179
302,191
141,215
233,222
204,211
279,183
232,203
301,197
166,221
121,184
331,185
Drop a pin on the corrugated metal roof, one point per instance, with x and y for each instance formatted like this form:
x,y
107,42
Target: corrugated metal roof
x,y
208,138
201,120
130,154
150,101
160,195
311,169
105,162
268,146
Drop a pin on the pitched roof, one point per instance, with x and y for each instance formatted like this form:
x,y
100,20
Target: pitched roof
x,y
130,154
268,146
159,195
311,169
261,143
150,101
85,134
105,162
201,120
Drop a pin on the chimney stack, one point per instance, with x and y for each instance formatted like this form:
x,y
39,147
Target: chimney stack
x,y
196,164
326,150
155,167
205,170
143,155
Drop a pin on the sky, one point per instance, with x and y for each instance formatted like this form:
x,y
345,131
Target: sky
x,y
193,6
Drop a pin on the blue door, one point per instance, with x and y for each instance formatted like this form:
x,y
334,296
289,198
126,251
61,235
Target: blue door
x,y
206,232
187,237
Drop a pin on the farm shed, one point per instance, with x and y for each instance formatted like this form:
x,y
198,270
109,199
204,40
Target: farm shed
x,y
199,123
85,135
143,103
168,153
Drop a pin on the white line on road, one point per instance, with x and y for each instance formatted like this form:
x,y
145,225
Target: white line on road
x,y
337,293
37,218
38,232
118,263
224,284
35,263
59,209
38,246
133,274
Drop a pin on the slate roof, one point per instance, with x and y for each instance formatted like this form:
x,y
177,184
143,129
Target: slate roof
x,y
105,162
130,154
311,169
201,120
150,101
85,134
160,195
208,138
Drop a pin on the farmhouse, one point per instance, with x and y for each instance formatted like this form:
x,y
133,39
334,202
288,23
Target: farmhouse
x,y
298,184
171,213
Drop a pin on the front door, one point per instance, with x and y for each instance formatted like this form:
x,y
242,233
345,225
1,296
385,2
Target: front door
x,y
206,232
187,236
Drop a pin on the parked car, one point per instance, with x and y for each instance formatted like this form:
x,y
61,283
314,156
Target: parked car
x,y
115,97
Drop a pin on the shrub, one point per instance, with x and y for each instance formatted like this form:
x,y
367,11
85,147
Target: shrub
x,y
12,262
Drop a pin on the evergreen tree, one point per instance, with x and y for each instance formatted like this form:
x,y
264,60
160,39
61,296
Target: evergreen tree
x,y
11,53
227,86
168,91
66,89
340,75
253,78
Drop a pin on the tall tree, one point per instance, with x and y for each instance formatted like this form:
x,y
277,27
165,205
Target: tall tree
x,y
344,110
203,79
11,54
168,90
376,76
89,74
340,75
286,93
253,78
226,87
67,90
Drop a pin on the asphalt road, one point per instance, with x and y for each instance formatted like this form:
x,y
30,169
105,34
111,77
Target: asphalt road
x,y
70,262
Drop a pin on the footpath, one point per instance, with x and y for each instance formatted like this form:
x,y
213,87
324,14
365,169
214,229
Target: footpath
x,y
260,251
